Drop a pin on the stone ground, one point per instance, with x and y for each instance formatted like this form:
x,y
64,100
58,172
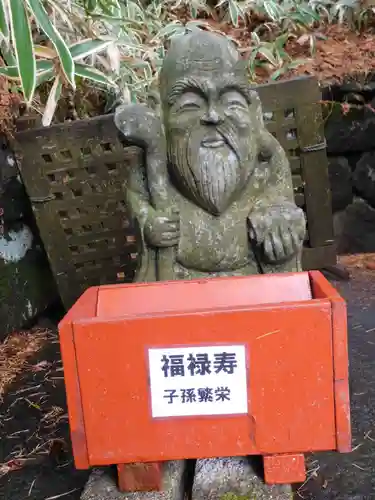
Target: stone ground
x,y
352,476
35,457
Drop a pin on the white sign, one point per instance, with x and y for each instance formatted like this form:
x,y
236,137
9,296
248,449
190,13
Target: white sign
x,y
205,380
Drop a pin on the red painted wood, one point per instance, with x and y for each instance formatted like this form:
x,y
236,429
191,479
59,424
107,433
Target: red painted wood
x,y
321,288
297,367
284,469
85,307
180,296
140,476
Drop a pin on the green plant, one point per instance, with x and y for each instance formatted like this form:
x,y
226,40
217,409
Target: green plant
x,y
117,46
35,50
195,7
272,55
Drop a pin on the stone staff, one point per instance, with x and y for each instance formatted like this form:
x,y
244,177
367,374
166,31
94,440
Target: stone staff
x,y
141,126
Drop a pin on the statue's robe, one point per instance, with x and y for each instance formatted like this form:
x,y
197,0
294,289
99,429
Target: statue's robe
x,y
212,245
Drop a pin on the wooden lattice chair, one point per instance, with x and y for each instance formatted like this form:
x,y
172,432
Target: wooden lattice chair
x,y
75,175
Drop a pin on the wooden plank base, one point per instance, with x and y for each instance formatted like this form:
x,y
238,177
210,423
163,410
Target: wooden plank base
x,y
338,271
140,476
284,469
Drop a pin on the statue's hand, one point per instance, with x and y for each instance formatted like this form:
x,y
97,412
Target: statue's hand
x,y
280,229
162,229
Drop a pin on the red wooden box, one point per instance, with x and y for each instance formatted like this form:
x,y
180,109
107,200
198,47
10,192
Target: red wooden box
x,y
289,385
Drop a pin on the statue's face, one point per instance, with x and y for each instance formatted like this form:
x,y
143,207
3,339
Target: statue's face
x,y
211,141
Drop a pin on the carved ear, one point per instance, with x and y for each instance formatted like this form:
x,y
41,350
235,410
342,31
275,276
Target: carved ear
x,y
154,101
120,116
256,106
240,67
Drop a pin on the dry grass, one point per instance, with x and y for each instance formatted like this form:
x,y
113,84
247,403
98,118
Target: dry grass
x,y
44,450
358,261
16,349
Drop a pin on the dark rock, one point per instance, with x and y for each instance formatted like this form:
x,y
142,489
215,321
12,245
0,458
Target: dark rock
x,y
26,284
338,223
14,202
8,166
353,159
349,129
364,178
340,178
354,98
358,83
357,229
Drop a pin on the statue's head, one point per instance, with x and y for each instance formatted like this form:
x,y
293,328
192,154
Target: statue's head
x,y
209,118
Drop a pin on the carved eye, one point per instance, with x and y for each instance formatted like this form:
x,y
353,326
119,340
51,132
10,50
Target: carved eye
x,y
236,103
189,105
189,101
234,100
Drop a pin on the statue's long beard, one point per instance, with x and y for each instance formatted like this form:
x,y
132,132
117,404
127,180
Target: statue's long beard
x,y
210,177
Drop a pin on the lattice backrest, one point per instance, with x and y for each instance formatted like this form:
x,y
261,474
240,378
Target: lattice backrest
x,y
292,113
75,176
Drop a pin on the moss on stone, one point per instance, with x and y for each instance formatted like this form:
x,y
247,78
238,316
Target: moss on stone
x,y
26,289
234,496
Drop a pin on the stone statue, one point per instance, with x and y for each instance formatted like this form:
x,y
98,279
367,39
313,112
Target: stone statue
x,y
215,196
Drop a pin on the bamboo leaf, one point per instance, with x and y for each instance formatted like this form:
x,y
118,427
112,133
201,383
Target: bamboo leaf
x,y
255,38
44,76
279,72
8,55
23,46
171,29
115,8
87,47
10,72
4,19
64,14
267,54
90,5
110,8
44,66
45,52
114,57
252,61
52,101
287,67
45,71
90,73
233,12
66,60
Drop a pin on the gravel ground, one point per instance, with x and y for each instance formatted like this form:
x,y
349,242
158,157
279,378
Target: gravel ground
x,y
352,476
35,455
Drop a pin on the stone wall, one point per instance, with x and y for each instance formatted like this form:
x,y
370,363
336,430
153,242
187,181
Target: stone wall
x,y
26,283
350,133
